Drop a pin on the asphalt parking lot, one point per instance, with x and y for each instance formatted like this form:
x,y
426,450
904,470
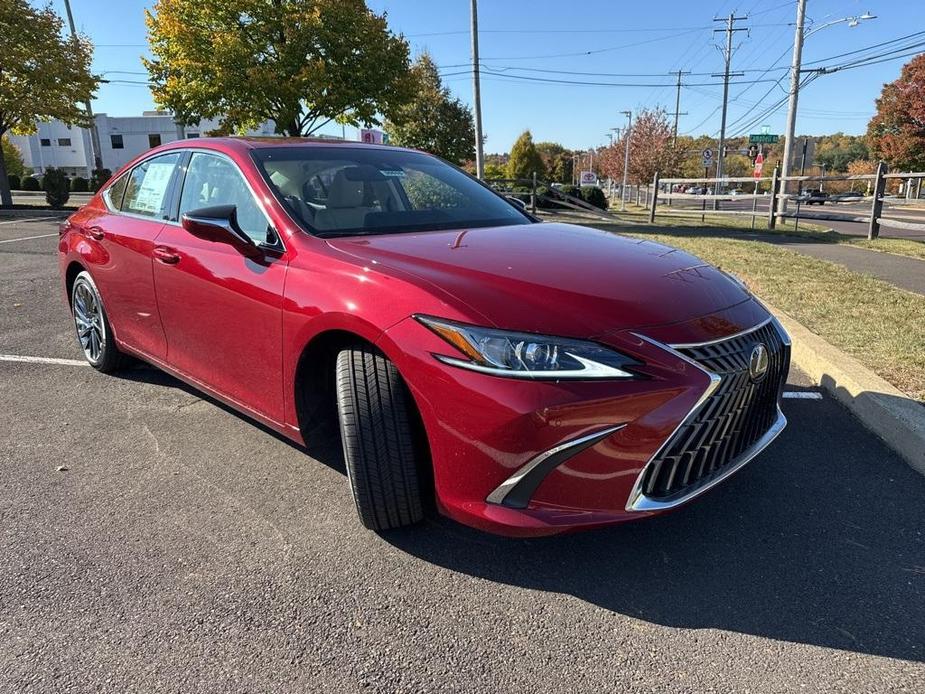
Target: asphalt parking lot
x,y
153,540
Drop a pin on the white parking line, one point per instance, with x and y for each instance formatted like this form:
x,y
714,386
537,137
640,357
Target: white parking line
x,y
27,219
802,395
28,238
42,360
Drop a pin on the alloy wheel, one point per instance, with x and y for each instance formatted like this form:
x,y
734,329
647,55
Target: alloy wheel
x,y
88,318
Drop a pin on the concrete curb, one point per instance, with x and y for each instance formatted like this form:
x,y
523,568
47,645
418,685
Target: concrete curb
x,y
886,411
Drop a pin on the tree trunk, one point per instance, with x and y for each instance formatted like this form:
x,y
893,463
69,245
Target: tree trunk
x,y
6,198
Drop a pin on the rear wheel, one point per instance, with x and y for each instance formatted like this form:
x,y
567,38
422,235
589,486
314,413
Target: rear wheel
x,y
94,332
374,408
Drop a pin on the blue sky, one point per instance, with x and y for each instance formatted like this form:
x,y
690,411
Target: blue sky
x,y
643,39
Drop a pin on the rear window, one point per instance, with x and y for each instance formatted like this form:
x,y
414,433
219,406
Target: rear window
x,y
344,191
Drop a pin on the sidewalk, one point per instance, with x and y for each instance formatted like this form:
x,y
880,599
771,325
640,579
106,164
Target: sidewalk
x,y
900,271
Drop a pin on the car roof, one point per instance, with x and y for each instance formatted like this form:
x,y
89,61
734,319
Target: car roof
x,y
243,144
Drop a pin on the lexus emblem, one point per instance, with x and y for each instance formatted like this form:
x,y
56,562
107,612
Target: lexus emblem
x,y
758,362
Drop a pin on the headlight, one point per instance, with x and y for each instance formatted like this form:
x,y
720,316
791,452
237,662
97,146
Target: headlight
x,y
525,355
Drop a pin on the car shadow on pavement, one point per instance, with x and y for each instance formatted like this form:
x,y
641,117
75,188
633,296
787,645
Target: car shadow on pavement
x,y
819,541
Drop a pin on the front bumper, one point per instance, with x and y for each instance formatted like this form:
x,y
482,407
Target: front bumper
x,y
543,457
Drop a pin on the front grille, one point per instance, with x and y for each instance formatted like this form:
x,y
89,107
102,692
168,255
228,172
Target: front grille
x,y
737,414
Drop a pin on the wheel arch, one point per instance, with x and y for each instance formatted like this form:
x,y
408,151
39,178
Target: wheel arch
x,y
74,268
315,396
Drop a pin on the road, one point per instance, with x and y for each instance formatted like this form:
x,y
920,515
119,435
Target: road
x,y
155,541
905,213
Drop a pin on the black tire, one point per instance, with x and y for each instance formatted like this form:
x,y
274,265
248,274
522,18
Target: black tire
x,y
373,405
105,355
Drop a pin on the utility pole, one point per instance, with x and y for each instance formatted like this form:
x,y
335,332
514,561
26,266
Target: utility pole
x,y
628,133
477,92
730,30
94,133
792,105
677,108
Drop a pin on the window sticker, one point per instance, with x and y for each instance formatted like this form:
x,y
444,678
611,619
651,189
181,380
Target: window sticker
x,y
153,187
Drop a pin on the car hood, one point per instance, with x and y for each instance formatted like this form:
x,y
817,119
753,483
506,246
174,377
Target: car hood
x,y
556,278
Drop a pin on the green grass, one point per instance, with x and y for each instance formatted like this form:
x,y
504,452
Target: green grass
x,y
881,326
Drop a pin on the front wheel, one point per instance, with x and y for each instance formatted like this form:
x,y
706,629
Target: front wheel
x,y
374,407
94,331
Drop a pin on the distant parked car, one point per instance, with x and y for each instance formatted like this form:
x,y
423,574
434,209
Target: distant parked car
x,y
813,196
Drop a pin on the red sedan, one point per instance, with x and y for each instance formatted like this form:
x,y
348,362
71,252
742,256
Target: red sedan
x,y
526,378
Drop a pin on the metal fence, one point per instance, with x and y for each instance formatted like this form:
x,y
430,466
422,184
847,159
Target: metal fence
x,y
783,204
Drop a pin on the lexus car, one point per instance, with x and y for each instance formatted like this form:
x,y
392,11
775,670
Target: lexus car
x,y
520,376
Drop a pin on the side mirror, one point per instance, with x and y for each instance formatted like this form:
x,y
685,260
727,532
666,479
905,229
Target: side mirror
x,y
219,224
517,201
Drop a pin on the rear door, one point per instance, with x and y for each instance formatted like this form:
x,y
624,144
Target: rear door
x,y
136,207
221,311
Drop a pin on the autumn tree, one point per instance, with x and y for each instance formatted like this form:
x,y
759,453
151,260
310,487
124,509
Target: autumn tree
x,y
557,161
299,63
862,167
525,160
12,158
651,149
896,133
43,75
838,150
433,120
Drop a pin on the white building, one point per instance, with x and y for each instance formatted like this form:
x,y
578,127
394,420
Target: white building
x,y
55,144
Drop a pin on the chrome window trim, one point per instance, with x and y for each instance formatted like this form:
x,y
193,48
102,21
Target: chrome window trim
x,y
281,248
575,446
638,501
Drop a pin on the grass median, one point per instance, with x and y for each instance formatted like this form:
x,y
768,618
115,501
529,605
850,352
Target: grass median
x,y
881,326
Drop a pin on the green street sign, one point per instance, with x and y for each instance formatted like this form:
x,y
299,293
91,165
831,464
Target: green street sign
x,y
763,139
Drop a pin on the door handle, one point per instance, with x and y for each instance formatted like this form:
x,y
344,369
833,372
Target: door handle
x,y
96,233
166,255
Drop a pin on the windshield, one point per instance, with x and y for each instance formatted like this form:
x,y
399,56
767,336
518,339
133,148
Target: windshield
x,y
346,191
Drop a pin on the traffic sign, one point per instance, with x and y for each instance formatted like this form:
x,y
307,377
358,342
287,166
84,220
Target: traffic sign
x,y
759,165
763,139
588,178
707,157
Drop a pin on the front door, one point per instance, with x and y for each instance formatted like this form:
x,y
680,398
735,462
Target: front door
x,y
221,311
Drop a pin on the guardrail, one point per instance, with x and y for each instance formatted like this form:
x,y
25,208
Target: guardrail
x,y
880,204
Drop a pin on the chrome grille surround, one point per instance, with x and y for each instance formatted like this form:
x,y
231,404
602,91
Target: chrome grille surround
x,y
732,422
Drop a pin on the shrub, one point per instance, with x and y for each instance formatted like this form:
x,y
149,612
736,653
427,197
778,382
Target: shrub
x,y
99,178
31,183
573,191
594,196
14,181
79,184
56,187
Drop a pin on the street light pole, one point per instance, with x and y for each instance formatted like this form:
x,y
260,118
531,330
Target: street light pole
x,y
792,104
795,68
477,92
626,156
95,151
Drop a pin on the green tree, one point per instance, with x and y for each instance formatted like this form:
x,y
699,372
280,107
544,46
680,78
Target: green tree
x,y
896,133
299,63
838,150
43,75
557,161
57,187
12,158
433,120
525,160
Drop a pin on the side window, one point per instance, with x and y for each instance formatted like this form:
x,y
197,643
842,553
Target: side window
x,y
213,180
147,186
115,192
